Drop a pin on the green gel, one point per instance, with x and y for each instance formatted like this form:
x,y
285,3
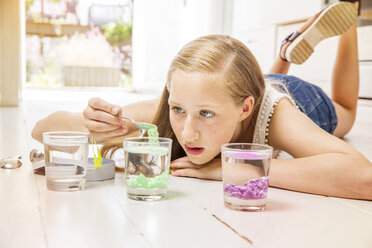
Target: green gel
x,y
147,126
142,182
153,135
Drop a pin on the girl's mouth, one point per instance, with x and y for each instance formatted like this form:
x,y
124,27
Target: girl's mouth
x,y
193,150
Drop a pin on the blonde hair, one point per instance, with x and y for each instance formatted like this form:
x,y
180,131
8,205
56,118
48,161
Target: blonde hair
x,y
238,71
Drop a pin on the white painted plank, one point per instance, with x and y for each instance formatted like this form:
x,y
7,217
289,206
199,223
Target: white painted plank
x,y
86,218
290,216
20,219
177,221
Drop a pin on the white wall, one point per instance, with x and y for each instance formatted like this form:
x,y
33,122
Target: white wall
x,y
161,28
255,24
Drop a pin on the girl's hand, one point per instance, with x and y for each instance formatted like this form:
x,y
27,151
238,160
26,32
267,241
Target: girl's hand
x,y
101,121
185,168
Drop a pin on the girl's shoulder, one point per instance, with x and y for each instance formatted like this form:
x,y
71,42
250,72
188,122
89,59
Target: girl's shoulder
x,y
269,106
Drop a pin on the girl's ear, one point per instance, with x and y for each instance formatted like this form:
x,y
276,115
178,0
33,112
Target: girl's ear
x,y
247,108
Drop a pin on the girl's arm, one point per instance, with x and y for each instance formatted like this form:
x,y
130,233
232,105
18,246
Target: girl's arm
x,y
185,168
102,122
98,119
58,121
323,164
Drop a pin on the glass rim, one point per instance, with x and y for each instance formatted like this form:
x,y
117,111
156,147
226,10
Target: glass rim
x,y
261,147
133,139
65,134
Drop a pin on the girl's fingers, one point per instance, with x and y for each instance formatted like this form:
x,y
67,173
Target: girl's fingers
x,y
186,173
100,104
183,162
213,172
106,117
101,116
185,158
101,121
97,126
177,164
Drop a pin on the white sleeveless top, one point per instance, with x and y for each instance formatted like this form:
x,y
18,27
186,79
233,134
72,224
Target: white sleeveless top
x,y
269,101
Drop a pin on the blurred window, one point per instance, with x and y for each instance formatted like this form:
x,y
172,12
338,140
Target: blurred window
x,y
100,14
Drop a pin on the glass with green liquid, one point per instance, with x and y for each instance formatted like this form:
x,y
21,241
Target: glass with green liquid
x,y
147,162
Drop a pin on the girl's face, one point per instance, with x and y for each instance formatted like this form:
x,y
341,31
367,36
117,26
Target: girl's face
x,y
202,115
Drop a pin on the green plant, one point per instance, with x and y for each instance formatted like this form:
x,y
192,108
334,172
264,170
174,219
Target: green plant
x,y
117,31
28,4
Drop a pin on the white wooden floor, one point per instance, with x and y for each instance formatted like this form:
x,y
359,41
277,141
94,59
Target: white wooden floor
x,y
193,214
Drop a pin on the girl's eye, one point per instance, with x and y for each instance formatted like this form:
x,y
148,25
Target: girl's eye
x,y
177,110
207,114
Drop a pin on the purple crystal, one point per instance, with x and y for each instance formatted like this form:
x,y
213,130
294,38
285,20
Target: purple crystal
x,y
254,189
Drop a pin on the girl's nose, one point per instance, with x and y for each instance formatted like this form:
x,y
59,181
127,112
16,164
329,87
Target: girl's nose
x,y
190,132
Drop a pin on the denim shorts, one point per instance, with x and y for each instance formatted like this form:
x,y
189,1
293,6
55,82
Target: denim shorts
x,y
311,100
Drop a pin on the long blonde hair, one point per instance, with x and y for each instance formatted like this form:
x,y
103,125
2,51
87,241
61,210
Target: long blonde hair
x,y
239,73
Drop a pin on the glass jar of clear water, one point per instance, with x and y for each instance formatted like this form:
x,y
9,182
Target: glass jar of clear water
x,y
66,160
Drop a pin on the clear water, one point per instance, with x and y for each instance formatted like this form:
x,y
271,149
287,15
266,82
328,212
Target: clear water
x,y
147,170
245,180
66,166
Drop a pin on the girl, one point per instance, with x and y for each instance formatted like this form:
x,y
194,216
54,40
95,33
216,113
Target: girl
x,y
216,93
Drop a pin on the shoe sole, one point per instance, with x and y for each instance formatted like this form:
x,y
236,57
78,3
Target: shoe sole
x,y
335,20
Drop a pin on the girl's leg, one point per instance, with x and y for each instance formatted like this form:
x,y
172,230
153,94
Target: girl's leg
x,y
345,81
345,78
280,66
298,46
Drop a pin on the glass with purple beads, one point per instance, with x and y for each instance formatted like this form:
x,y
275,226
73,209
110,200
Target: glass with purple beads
x,y
245,175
